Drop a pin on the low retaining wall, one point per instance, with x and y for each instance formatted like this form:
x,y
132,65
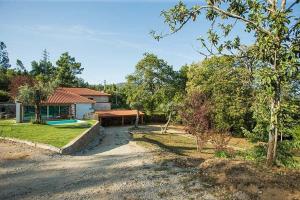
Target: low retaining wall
x,y
96,132
84,140
34,144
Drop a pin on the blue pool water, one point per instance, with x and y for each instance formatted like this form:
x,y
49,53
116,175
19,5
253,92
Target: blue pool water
x,y
61,122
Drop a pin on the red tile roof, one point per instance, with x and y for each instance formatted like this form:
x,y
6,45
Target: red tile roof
x,y
86,92
61,96
117,113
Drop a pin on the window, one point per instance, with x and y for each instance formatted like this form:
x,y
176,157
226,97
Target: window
x,y
64,111
29,112
44,112
53,111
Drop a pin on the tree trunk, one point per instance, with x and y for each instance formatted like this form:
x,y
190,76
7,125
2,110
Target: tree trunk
x,y
38,118
197,143
164,130
273,132
137,119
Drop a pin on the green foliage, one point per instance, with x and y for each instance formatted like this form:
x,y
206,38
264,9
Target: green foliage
x,y
4,96
4,60
67,70
153,83
27,94
228,89
223,154
274,55
284,157
35,95
118,95
257,153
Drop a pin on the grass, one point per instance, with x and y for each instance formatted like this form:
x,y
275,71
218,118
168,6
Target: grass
x,y
174,143
183,144
57,136
178,144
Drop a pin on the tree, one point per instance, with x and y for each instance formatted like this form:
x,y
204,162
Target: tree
x,y
17,81
228,88
154,81
20,67
118,95
4,60
43,70
35,95
5,73
67,70
275,27
138,106
4,96
195,113
170,109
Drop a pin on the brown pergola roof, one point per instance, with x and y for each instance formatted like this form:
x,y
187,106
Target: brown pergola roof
x,y
117,113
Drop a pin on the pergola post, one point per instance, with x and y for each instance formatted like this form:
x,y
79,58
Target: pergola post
x,y
100,120
142,119
122,120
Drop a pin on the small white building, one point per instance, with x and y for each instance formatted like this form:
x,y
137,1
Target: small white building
x,y
66,103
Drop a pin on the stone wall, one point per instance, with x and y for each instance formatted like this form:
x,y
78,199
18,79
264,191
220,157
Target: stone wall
x,y
91,136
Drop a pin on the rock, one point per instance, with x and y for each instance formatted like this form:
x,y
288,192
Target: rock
x,y
240,196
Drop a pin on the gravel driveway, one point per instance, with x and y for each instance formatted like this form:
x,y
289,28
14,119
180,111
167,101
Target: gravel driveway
x,y
115,169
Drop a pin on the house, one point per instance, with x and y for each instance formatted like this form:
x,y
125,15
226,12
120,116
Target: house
x,y
66,103
101,99
78,103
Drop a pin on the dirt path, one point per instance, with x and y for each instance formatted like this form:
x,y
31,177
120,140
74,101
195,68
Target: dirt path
x,y
115,169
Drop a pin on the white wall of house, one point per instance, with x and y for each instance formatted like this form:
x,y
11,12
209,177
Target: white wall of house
x,y
99,99
19,114
102,106
82,109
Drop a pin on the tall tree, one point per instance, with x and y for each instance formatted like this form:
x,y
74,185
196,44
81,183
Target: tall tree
x,y
20,66
4,66
275,27
4,60
43,70
67,70
154,81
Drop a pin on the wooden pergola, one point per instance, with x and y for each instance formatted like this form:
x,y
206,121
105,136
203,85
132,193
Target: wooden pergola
x,y
118,114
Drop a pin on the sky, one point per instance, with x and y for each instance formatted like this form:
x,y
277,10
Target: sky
x,y
107,37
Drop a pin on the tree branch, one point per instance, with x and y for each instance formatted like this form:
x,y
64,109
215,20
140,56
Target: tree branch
x,y
240,18
229,14
293,4
283,4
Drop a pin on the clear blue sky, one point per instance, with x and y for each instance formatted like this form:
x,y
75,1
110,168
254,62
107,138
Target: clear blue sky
x,y
108,38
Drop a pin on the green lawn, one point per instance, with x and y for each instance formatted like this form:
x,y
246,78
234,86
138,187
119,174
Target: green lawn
x,y
57,136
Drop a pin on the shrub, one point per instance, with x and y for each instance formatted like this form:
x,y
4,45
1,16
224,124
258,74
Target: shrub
x,y
226,153
220,140
259,153
195,114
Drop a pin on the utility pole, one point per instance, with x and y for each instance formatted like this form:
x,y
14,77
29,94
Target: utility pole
x,y
116,95
104,85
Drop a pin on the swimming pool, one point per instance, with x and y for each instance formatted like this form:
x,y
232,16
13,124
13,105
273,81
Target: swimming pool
x,y
62,122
